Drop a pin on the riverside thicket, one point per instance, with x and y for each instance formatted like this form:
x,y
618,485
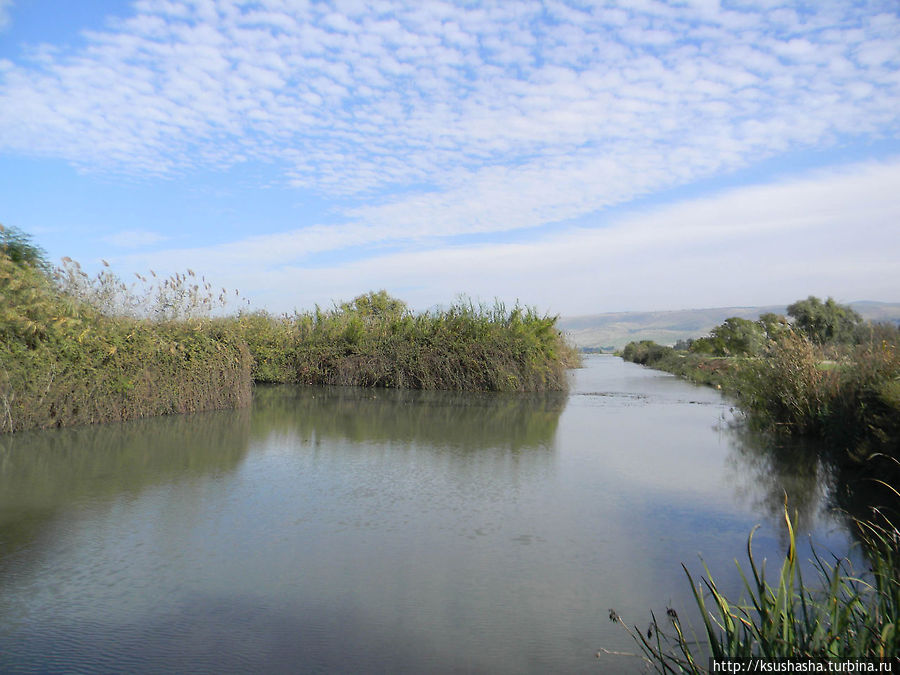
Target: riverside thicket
x,y
827,374
78,349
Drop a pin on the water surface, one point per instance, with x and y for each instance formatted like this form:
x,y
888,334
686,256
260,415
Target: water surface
x,y
353,530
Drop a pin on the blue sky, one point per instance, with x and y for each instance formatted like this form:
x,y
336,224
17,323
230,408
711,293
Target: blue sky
x,y
581,157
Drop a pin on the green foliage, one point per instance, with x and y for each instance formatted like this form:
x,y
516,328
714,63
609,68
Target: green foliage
x,y
696,367
828,375
78,349
824,322
775,326
740,337
847,614
848,398
646,352
64,362
734,337
375,305
374,341
17,247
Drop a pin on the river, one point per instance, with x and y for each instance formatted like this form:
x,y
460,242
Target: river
x,y
344,530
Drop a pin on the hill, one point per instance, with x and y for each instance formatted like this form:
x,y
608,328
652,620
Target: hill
x,y
614,330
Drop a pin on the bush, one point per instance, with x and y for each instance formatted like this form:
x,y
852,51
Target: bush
x,y
62,362
851,397
375,341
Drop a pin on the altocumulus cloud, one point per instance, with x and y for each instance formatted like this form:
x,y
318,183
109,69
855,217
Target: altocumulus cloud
x,y
444,118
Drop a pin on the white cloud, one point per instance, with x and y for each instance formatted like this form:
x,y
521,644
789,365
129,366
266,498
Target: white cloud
x,y
830,233
442,94
5,8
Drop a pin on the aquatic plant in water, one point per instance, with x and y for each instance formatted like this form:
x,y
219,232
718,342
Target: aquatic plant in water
x,y
844,613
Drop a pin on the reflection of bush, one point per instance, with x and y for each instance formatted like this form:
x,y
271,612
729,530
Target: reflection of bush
x,y
41,471
773,471
805,471
438,418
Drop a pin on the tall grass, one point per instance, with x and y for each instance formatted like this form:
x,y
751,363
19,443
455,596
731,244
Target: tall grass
x,y
63,361
849,395
78,349
465,347
844,613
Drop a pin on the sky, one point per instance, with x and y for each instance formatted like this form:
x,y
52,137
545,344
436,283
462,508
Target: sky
x,y
578,157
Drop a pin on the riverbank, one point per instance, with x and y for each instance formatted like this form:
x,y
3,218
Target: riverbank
x,y
848,395
69,356
845,396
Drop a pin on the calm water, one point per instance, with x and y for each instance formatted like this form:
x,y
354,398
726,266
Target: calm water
x,y
345,530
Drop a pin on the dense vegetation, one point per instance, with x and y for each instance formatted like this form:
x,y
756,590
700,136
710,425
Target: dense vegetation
x,y
64,362
78,349
821,373
375,341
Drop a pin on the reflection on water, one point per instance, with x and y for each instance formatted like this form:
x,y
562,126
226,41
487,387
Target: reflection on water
x,y
44,472
349,530
772,474
816,483
473,421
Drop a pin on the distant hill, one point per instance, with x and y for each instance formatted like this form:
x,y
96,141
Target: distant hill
x,y
615,330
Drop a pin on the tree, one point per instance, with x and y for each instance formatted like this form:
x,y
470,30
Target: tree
x,y
375,305
775,326
17,246
824,322
739,336
734,337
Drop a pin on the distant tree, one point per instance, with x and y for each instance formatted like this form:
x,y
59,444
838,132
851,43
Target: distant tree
x,y
17,246
734,337
739,336
683,345
707,345
775,326
375,304
824,322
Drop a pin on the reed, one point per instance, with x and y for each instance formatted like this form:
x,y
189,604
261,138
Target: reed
x,y
465,347
845,613
77,349
848,395
64,362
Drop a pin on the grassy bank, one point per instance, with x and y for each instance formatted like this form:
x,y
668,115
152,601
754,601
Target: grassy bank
x,y
78,349
846,392
716,371
824,375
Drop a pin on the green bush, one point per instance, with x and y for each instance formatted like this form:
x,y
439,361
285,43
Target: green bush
x,y
375,341
850,397
62,362
78,349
